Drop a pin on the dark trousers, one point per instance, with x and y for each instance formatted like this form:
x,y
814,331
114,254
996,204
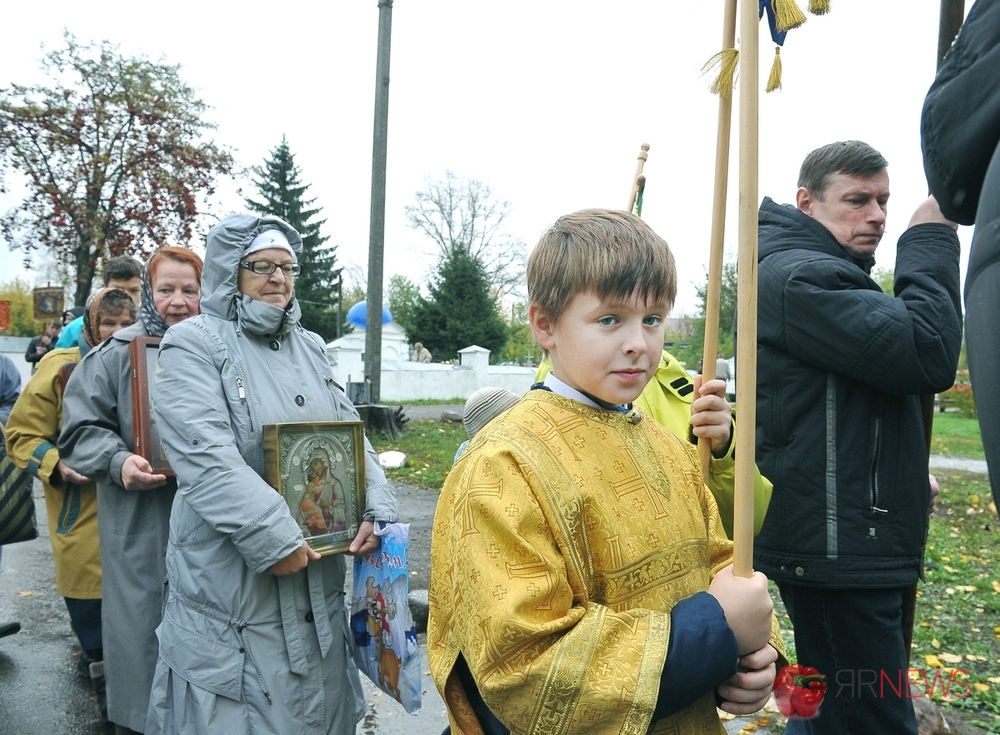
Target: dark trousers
x,y
85,619
854,637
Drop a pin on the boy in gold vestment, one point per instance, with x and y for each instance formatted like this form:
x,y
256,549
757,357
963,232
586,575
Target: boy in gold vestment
x,y
581,580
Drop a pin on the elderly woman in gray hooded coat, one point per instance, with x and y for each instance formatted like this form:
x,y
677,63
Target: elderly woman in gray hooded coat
x,y
254,635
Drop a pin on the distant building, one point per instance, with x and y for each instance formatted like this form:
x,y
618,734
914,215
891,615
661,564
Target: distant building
x,y
405,380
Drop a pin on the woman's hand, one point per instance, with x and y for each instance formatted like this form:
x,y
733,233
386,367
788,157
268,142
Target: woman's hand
x,y
366,541
137,474
295,561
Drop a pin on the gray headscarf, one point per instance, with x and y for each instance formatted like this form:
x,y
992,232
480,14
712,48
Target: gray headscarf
x,y
155,324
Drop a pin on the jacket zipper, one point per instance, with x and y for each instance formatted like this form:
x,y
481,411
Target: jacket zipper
x,y
241,392
874,478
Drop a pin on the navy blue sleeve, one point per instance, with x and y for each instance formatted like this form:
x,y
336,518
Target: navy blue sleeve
x,y
701,655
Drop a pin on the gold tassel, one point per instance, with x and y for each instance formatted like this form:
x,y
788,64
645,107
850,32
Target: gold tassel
x,y
774,79
819,7
787,14
726,60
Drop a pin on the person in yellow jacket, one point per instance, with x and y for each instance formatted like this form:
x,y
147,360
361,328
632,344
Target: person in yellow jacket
x,y
668,398
70,498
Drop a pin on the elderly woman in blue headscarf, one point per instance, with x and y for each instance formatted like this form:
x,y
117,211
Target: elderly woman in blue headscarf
x,y
254,635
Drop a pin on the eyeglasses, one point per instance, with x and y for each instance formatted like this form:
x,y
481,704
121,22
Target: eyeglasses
x,y
266,267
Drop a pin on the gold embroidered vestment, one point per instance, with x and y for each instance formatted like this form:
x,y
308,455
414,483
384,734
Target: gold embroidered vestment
x,y
563,538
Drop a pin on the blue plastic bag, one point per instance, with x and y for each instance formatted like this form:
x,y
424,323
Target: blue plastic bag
x,y
383,636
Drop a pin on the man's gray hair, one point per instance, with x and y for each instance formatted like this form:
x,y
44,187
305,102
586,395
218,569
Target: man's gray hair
x,y
851,157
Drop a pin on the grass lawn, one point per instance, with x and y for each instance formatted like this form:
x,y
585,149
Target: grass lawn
x,y
429,447
958,609
956,436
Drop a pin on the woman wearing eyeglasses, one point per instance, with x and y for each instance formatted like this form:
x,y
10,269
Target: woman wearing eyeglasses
x,y
254,631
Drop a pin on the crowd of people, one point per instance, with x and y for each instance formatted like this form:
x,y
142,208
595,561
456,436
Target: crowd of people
x,y
193,594
581,574
199,606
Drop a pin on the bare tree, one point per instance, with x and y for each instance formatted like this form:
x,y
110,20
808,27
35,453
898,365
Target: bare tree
x,y
464,213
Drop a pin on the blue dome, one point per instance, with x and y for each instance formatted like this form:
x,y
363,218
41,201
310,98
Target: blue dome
x,y
358,314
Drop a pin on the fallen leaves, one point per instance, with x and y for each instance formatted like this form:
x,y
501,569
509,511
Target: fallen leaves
x,y
941,660
762,721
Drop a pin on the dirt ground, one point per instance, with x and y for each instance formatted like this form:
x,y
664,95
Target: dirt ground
x,y
416,507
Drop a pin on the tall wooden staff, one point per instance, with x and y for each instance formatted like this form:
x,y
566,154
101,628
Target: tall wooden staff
x,y
712,296
638,180
746,295
949,23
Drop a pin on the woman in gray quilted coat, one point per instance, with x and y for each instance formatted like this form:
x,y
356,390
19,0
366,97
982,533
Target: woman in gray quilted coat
x,y
254,637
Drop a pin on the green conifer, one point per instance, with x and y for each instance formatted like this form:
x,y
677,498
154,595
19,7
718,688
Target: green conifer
x,y
283,195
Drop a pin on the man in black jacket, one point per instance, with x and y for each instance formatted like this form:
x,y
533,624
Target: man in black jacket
x,y
39,346
839,431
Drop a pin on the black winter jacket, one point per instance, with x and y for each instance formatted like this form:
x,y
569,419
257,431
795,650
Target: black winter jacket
x,y
839,430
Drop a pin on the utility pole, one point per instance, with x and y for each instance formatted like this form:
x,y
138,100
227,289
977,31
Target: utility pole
x,y
949,23
376,238
340,303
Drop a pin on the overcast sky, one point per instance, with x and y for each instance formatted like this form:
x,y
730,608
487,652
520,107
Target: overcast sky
x,y
546,101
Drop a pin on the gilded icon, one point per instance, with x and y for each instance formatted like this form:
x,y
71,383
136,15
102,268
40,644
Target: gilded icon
x,y
319,469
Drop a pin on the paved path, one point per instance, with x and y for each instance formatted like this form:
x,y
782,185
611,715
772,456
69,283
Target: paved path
x,y
432,412
940,462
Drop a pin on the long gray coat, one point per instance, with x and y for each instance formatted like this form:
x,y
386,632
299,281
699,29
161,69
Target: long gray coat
x,y
96,439
243,651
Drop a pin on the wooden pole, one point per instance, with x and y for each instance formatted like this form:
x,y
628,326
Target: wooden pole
x,y
949,22
376,237
717,242
746,294
643,154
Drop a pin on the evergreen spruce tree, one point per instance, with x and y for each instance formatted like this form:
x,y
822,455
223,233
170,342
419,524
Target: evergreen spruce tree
x,y
283,195
461,310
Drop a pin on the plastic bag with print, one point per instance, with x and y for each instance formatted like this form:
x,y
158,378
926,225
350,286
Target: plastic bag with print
x,y
383,636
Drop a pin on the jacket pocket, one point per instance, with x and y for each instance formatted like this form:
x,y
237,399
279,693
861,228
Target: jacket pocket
x,y
873,480
193,645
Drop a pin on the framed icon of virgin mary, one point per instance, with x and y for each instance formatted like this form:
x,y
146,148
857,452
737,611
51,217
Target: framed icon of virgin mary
x,y
319,469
